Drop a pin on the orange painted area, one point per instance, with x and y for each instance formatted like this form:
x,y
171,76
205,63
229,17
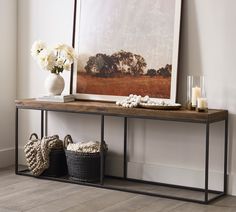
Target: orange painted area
x,y
158,86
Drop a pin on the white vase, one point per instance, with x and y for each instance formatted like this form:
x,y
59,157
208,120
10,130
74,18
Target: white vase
x,y
54,84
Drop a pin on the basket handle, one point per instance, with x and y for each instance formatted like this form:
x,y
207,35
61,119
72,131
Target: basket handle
x,y
33,135
102,147
67,140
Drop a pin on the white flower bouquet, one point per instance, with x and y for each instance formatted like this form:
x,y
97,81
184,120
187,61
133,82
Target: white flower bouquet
x,y
55,60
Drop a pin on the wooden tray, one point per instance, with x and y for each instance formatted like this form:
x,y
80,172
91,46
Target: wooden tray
x,y
159,107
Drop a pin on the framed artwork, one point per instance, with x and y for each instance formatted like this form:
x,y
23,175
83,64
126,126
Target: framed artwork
x,y
126,47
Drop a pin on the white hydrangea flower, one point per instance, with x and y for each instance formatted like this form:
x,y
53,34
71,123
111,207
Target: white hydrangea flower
x,y
60,46
56,60
71,54
60,62
67,66
37,47
47,60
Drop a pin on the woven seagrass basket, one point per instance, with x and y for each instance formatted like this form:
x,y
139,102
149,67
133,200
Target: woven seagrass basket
x,y
57,162
83,166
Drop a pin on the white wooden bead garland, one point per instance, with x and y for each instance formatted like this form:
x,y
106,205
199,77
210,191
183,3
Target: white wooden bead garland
x,y
135,100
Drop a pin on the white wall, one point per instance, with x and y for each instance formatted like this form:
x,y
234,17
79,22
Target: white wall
x,y
167,151
8,55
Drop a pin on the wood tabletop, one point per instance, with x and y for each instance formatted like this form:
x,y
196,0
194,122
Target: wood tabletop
x,y
108,108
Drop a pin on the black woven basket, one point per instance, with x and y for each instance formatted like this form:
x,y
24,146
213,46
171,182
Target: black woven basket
x,y
83,166
57,164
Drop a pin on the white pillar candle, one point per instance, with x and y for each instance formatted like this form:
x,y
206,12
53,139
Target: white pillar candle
x,y
202,103
196,93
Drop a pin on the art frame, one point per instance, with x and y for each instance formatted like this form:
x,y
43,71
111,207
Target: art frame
x,y
100,74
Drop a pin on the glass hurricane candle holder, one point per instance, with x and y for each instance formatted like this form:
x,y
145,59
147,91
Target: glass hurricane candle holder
x,y
202,105
195,91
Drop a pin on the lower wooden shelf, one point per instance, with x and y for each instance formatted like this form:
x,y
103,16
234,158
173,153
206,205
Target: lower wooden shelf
x,y
141,187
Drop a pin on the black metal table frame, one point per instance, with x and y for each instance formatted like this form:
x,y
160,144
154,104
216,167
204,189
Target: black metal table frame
x,y
206,189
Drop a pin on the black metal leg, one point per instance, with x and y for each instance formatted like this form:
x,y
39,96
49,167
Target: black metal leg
x,y
102,151
226,156
16,140
125,149
207,162
42,123
46,123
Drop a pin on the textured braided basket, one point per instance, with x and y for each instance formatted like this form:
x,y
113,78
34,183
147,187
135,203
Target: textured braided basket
x,y
57,161
83,166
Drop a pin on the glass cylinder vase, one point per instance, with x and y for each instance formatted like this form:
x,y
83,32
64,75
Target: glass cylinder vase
x,y
202,105
195,91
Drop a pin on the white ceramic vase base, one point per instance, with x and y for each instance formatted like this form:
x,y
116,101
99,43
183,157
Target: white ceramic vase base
x,y
54,84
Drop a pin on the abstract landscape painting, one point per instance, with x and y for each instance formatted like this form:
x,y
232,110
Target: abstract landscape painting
x,y
127,46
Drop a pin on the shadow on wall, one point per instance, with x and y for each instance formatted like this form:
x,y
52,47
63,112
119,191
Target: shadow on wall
x,y
190,61
232,149
23,76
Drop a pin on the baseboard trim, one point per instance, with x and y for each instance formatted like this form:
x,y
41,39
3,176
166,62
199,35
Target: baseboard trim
x,y
170,174
232,184
175,175
21,156
7,157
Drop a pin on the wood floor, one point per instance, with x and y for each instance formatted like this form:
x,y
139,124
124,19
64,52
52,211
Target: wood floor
x,y
20,193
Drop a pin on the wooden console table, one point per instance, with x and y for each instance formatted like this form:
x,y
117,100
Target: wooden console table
x,y
110,109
